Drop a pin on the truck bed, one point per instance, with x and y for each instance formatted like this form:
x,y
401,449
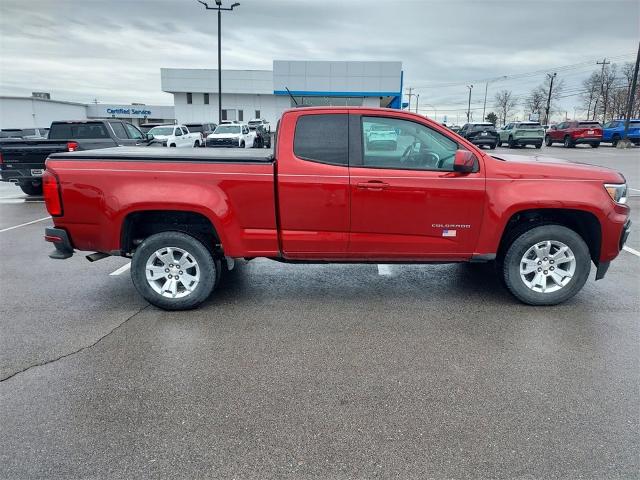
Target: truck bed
x,y
164,154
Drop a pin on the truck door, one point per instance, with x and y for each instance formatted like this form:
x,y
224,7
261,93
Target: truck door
x,y
313,184
122,138
406,201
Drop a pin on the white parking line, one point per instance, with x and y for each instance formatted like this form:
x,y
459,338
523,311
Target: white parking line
x,y
384,270
122,269
631,250
24,224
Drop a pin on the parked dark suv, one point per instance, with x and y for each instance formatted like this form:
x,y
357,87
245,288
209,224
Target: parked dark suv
x,y
480,133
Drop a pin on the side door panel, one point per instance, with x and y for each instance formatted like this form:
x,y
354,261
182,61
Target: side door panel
x,y
413,214
313,195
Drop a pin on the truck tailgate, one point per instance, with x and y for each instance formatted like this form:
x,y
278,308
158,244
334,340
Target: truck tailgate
x,y
26,154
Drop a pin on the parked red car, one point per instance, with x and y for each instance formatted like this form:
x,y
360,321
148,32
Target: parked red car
x,y
571,133
328,196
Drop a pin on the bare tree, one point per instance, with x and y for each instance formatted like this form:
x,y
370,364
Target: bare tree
x,y
505,102
591,87
608,80
536,100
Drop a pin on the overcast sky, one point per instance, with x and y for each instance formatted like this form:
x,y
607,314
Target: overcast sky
x,y
112,50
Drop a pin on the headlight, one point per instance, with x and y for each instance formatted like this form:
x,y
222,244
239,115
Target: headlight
x,y
617,192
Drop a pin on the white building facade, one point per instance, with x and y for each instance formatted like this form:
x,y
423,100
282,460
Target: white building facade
x,y
265,94
34,112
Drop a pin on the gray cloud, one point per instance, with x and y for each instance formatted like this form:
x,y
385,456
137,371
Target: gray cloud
x,y
113,50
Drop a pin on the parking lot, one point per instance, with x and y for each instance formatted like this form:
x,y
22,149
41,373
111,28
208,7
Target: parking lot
x,y
316,371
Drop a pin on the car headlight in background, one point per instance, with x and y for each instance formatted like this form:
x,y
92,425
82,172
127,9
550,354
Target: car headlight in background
x,y
617,192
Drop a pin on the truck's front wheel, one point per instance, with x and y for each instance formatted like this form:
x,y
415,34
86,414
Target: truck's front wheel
x,y
546,265
174,271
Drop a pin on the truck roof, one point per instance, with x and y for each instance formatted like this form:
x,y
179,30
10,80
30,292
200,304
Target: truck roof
x,y
164,154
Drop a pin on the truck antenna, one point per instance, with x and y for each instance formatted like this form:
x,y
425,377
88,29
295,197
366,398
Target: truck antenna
x,y
292,97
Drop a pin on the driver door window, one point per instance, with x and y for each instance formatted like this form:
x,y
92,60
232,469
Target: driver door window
x,y
392,143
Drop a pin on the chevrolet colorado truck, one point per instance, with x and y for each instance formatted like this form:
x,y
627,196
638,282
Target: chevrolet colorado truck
x,y
22,160
328,195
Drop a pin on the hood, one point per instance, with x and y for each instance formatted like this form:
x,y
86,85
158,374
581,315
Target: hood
x,y
223,135
539,166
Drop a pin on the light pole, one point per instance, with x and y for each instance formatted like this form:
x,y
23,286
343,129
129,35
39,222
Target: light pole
x,y
219,8
435,115
470,87
486,88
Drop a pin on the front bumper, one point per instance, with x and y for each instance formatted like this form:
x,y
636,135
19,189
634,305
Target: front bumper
x,y
62,242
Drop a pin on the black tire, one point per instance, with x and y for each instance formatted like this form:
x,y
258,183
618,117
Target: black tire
x,y
493,146
615,140
173,145
499,143
511,144
529,238
242,144
538,145
209,270
595,144
547,141
31,189
568,143
196,144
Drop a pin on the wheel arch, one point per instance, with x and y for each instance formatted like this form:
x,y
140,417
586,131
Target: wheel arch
x,y
583,222
140,224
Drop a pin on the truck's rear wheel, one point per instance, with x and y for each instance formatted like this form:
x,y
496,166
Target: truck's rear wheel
x,y
546,265
174,271
31,189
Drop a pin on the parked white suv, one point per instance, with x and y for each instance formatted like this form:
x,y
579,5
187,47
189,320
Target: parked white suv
x,y
175,136
231,135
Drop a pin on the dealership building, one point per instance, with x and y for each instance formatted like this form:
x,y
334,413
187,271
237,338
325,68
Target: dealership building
x,y
39,110
265,94
246,94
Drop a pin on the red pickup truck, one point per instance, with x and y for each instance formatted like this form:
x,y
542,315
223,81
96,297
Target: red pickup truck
x,y
328,195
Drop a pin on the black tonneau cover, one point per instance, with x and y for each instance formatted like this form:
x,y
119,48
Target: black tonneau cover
x,y
165,154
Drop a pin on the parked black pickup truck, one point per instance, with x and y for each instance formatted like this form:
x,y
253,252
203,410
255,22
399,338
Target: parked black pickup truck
x,y
22,161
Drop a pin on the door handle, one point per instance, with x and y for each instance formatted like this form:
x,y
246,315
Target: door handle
x,y
373,185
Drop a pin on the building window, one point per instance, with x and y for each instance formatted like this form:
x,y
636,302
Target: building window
x,y
189,98
206,99
224,115
241,115
257,114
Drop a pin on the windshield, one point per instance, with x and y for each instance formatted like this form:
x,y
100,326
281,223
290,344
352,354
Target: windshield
x,y
161,131
228,129
195,128
255,122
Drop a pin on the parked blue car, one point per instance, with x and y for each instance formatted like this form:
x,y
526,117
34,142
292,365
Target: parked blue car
x,y
614,130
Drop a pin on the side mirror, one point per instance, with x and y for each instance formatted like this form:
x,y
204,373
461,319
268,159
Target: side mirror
x,y
149,137
464,161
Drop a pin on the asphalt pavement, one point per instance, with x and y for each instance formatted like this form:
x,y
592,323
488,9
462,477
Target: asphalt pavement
x,y
315,371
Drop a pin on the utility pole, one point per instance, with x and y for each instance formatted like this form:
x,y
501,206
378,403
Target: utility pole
x,y
604,63
409,95
417,101
220,9
625,136
470,87
546,111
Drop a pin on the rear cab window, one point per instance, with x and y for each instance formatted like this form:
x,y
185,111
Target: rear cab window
x,y
65,131
322,138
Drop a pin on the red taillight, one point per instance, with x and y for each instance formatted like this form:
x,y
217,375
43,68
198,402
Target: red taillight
x,y
1,161
72,146
51,191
